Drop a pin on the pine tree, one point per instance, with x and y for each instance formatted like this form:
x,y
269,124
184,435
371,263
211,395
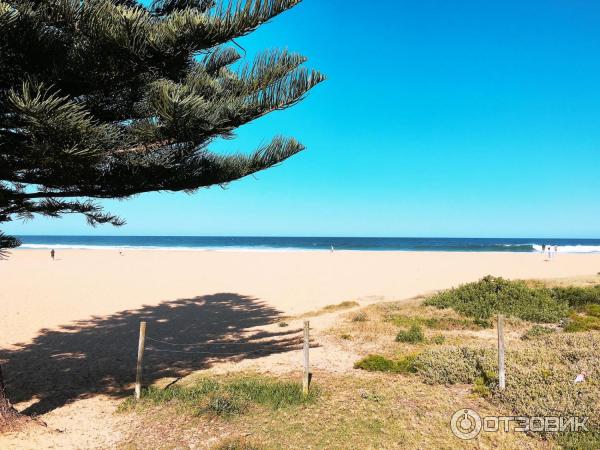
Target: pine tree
x,y
109,98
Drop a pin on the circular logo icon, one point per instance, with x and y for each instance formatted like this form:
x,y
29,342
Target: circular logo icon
x,y
465,424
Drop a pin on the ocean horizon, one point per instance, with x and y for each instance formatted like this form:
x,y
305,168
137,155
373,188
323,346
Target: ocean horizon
x,y
290,243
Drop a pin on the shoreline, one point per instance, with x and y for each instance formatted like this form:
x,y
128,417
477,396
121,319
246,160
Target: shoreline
x,y
287,250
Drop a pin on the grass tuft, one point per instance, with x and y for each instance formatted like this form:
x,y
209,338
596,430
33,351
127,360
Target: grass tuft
x,y
378,363
360,316
438,339
230,397
413,335
236,444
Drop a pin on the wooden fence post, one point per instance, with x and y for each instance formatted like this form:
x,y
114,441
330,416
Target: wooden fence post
x,y
306,377
501,368
140,358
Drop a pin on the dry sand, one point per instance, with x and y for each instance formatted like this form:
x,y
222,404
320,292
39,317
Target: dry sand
x,y
68,332
37,292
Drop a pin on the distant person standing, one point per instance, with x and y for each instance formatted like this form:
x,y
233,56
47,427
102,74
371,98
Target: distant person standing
x,y
52,254
555,250
543,249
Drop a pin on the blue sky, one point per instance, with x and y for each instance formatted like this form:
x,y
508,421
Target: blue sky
x,y
438,118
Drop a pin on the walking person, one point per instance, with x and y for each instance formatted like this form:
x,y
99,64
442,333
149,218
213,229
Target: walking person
x,y
52,254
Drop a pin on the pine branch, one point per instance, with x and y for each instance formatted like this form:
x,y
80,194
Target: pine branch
x,y
7,242
109,99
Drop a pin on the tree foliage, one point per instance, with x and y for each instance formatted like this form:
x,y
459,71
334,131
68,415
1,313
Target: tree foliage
x,y
109,99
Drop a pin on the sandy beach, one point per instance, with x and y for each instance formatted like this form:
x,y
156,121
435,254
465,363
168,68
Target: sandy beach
x,y
38,293
69,327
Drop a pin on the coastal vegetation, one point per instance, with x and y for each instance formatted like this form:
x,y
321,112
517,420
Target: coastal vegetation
x,y
228,397
542,361
402,392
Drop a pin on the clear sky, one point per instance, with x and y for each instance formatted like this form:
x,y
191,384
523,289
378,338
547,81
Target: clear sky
x,y
438,118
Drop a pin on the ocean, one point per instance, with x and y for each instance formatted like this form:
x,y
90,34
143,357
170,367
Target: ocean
x,y
241,243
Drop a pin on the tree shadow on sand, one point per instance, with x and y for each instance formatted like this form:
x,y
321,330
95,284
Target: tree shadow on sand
x,y
99,355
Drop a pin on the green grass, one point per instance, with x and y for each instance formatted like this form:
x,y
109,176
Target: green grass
x,y
413,335
229,397
578,323
378,363
438,339
435,323
490,295
536,331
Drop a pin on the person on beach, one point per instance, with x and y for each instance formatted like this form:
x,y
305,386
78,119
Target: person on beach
x,y
52,254
555,250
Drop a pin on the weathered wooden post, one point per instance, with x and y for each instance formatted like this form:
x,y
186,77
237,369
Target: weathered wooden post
x,y
140,358
306,377
501,368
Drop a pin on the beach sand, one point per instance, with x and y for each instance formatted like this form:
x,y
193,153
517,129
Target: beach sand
x,y
69,328
38,293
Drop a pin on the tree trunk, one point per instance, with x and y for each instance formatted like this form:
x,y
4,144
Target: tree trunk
x,y
10,419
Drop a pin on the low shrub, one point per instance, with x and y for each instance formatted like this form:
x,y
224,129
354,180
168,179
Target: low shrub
x,y
577,297
452,365
579,322
539,376
413,335
378,363
579,441
490,295
592,310
536,331
438,339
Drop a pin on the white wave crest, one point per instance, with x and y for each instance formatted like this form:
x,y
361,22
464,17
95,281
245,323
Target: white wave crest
x,y
571,248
